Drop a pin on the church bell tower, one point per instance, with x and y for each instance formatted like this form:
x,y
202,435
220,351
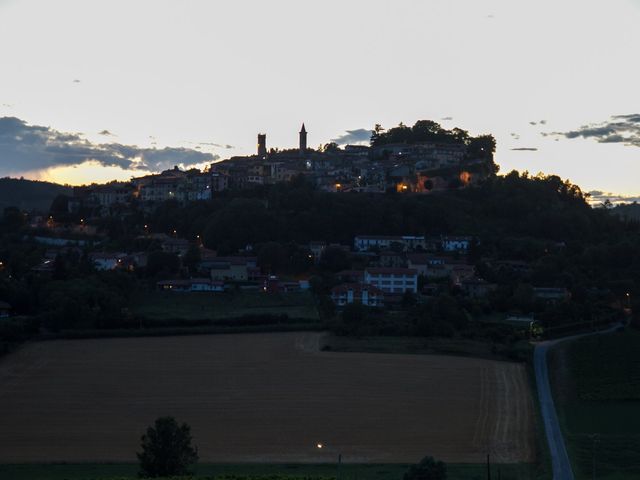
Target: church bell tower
x,y
303,140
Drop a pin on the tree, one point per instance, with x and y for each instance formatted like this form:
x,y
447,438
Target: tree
x,y
166,449
428,469
331,147
272,258
192,258
483,146
354,318
160,262
334,259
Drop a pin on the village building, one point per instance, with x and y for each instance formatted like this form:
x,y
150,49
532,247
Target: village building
x,y
392,280
191,285
350,293
5,309
107,261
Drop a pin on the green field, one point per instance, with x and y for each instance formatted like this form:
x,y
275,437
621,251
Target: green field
x,y
596,383
347,471
217,306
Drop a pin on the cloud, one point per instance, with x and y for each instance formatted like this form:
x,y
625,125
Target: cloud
x,y
598,196
25,147
360,135
525,149
106,133
217,145
623,129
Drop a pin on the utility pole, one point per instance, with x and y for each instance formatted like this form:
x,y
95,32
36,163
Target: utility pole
x,y
594,440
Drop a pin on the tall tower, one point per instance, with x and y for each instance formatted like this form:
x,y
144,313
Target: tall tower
x,y
303,140
262,144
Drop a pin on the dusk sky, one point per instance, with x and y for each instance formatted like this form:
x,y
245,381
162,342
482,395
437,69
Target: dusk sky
x,y
94,91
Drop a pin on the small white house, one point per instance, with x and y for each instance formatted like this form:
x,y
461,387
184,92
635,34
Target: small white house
x,y
191,285
349,293
363,243
107,261
455,244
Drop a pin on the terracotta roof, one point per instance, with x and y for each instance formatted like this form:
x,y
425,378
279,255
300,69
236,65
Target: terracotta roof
x,y
356,288
106,255
236,260
391,271
379,237
350,273
187,282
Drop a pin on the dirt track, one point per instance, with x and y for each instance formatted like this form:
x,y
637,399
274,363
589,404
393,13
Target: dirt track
x,y
260,398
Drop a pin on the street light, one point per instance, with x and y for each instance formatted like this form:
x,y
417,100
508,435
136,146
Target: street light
x,y
320,446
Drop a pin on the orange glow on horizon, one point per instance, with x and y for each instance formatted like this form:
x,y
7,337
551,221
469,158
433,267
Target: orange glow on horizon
x,y
84,174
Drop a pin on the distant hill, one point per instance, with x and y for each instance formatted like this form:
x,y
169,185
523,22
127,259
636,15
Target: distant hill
x,y
29,194
629,210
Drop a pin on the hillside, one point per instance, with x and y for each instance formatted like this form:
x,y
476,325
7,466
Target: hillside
x,y
630,211
29,194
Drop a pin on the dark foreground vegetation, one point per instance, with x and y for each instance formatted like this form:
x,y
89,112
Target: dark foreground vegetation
x,y
258,471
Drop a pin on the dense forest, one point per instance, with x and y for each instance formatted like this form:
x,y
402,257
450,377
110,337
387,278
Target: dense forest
x,y
629,211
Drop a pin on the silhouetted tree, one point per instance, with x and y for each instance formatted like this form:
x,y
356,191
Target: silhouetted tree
x,y
166,449
428,469
164,263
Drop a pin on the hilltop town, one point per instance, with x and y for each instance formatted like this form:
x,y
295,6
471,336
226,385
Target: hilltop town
x,y
425,158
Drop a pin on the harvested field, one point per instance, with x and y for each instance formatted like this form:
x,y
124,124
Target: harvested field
x,y
260,398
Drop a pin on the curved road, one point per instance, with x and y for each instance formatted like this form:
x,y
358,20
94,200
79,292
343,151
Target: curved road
x,y
560,463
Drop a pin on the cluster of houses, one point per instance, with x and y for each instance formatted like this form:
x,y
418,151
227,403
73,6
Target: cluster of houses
x,y
417,168
396,263
391,268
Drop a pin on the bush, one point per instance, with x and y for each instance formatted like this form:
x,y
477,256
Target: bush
x,y
166,449
428,469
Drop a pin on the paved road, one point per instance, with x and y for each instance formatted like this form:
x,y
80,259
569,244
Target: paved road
x,y
560,463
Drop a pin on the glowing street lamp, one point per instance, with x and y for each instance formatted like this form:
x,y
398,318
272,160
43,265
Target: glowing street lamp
x,y
628,295
320,446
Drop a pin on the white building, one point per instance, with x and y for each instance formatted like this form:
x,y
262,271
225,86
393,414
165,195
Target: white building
x,y
191,285
455,244
348,293
107,261
362,243
392,280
